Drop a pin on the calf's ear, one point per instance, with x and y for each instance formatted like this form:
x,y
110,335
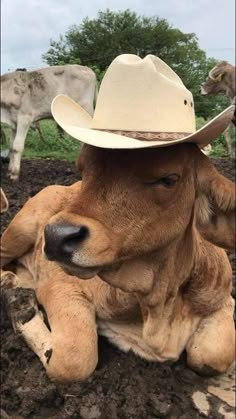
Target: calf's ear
x,y
3,201
215,205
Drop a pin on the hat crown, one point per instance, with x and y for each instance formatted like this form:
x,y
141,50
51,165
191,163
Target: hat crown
x,y
141,103
143,95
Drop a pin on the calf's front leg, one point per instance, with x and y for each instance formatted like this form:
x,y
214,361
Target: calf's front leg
x,y
71,317
22,232
211,349
68,351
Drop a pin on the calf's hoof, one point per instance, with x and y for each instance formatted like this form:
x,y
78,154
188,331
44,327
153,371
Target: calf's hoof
x,y
12,175
21,305
8,280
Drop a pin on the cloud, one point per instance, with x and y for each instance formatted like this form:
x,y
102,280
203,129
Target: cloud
x,y
28,26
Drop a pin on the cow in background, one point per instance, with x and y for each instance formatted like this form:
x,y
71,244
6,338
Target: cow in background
x,y
36,125
221,81
26,99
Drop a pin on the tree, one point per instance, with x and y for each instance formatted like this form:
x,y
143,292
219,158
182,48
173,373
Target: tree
x,y
96,42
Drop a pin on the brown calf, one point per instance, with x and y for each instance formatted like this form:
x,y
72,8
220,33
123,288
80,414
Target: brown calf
x,y
124,254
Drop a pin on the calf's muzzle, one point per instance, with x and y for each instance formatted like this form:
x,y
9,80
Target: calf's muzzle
x,y
61,240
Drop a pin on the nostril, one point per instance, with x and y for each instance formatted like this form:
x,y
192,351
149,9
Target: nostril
x,y
71,242
61,240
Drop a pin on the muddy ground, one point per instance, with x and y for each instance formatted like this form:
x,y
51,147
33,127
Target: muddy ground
x,y
123,385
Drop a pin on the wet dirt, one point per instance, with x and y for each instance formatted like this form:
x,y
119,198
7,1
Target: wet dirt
x,y
123,385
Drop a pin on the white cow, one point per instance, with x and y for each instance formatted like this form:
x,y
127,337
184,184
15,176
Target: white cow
x,y
26,98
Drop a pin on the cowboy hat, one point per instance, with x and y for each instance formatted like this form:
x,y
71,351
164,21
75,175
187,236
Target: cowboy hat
x,y
141,103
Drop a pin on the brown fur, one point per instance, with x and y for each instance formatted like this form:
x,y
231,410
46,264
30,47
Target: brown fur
x,y
221,80
144,273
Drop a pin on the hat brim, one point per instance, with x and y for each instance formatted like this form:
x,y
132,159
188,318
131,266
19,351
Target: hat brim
x,y
76,122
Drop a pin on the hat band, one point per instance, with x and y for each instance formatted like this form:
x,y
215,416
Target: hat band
x,y
149,136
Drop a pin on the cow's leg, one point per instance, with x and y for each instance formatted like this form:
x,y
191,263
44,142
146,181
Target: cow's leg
x,y
22,232
3,137
40,132
68,350
60,131
27,320
211,349
18,238
72,322
22,309
228,141
11,141
3,202
23,124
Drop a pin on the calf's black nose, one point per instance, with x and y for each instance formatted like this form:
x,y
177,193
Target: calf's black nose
x,y
61,240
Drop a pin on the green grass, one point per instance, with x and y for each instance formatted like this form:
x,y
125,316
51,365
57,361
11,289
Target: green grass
x,y
67,148
54,146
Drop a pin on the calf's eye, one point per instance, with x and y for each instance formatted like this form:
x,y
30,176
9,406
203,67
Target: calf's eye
x,y
167,181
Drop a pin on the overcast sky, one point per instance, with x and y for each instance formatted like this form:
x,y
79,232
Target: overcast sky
x,y
28,25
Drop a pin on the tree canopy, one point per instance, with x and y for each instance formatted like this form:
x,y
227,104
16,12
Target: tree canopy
x,y
96,42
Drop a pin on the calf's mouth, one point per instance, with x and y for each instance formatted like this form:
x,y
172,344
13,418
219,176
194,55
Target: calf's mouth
x,y
68,246
80,272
